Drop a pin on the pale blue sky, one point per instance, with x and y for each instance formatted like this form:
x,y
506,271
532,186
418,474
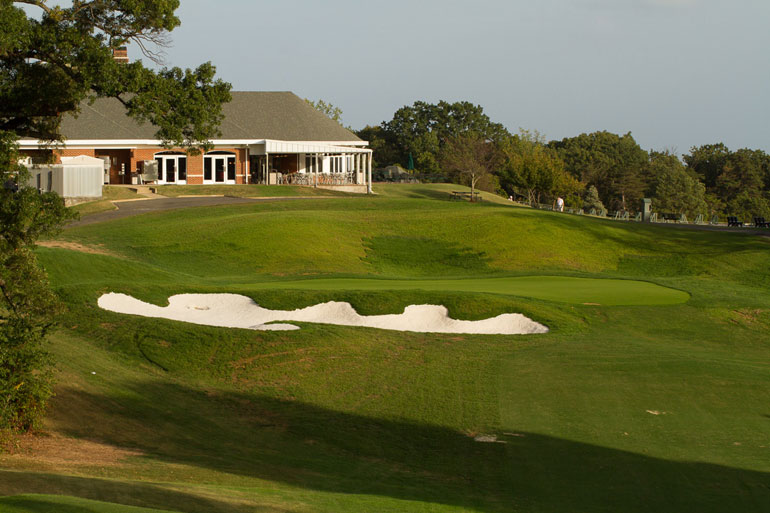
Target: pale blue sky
x,y
676,73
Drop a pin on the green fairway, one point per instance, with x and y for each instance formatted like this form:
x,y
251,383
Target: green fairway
x,y
551,288
649,393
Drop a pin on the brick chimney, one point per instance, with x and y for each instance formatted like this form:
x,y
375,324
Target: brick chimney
x,y
120,54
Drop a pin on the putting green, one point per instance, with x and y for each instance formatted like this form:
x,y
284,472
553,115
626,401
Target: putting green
x,y
552,288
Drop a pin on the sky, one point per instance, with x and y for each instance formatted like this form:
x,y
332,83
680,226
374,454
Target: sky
x,y
674,73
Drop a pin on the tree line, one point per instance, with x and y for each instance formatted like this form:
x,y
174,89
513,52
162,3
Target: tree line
x,y
459,142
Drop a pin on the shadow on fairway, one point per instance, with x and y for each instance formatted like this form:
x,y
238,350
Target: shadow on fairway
x,y
129,494
319,449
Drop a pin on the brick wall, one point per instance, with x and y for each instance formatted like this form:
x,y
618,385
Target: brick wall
x,y
68,152
194,162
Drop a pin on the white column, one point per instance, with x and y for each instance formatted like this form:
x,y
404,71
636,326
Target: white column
x,y
247,167
369,173
358,167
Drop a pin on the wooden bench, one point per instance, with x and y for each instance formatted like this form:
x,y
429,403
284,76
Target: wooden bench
x,y
458,195
670,216
733,221
759,222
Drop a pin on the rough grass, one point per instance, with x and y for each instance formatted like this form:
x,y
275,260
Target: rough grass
x,y
619,408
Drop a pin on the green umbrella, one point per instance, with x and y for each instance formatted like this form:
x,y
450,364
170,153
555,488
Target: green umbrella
x,y
410,163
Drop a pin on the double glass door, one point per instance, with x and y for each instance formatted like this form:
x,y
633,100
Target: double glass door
x,y
172,169
219,168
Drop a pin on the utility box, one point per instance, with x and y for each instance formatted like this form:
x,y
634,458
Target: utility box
x,y
75,179
646,209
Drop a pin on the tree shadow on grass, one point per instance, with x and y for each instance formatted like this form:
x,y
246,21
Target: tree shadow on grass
x,y
319,449
119,492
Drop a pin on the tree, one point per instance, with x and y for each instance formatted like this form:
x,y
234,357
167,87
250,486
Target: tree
x,y
423,128
531,166
327,109
672,188
707,162
613,164
470,158
742,183
27,305
591,200
49,67
382,144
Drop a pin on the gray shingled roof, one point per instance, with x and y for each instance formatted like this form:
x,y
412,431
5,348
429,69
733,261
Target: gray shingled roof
x,y
282,116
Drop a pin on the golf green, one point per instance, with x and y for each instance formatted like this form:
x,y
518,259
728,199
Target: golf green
x,y
551,288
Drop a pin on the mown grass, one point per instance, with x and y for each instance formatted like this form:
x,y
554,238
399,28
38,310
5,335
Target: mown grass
x,y
62,504
248,191
619,408
109,194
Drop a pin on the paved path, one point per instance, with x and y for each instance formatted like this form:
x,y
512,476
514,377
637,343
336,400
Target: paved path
x,y
137,207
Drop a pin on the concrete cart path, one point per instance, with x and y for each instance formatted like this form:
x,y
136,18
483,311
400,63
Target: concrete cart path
x,y
137,207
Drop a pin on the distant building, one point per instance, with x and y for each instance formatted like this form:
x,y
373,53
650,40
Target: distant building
x,y
267,138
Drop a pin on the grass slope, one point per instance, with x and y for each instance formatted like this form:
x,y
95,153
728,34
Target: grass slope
x,y
63,504
619,408
109,194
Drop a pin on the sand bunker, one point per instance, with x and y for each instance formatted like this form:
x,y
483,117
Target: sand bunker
x,y
236,311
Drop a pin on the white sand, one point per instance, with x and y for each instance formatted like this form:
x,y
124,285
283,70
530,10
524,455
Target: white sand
x,y
236,311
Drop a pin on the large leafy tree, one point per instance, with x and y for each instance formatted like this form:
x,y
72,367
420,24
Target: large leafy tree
x,y
382,143
738,182
423,129
470,158
742,184
50,63
48,66
707,162
530,166
612,163
672,188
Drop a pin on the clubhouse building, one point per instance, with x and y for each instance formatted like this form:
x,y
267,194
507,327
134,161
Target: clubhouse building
x,y
267,138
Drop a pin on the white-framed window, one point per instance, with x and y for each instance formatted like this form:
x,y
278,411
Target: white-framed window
x,y
335,164
311,163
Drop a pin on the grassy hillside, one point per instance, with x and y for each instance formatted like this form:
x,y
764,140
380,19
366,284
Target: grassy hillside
x,y
626,405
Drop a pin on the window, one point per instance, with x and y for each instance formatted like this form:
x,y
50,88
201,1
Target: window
x,y
310,163
207,169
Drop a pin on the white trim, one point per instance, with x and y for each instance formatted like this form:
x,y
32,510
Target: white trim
x,y
127,144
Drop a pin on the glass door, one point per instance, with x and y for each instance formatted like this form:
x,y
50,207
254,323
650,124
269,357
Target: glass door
x,y
219,168
172,169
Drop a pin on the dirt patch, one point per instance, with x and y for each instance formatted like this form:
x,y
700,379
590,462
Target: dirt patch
x,y
749,315
55,449
74,246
